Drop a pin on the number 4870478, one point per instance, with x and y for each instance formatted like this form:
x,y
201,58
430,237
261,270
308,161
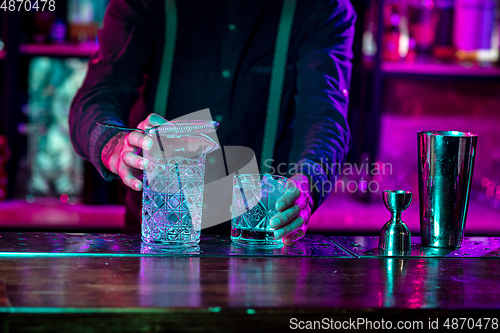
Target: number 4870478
x,y
28,5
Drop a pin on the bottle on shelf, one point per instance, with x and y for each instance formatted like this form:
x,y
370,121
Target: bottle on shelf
x,y
422,19
392,43
84,19
444,49
475,30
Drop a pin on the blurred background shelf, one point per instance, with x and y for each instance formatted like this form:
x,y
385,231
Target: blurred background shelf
x,y
52,214
439,69
59,50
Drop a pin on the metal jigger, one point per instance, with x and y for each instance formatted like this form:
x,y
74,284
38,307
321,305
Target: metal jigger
x,y
395,237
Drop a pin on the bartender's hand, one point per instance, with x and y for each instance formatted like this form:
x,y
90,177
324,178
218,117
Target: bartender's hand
x,y
120,154
294,210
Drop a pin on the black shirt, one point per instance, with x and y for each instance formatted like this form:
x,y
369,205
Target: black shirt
x,y
223,59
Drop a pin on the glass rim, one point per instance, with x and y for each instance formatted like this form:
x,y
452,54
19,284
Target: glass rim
x,y
453,134
397,191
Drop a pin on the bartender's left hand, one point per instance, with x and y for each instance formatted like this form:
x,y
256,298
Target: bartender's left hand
x,y
294,209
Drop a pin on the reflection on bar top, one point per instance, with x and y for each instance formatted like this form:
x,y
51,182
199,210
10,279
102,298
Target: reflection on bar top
x,y
71,244
472,247
123,245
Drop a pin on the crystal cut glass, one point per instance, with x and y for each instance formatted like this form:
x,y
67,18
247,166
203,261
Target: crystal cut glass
x,y
174,182
253,206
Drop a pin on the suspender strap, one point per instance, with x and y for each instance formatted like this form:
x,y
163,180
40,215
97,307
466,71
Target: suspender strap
x,y
276,87
163,87
277,74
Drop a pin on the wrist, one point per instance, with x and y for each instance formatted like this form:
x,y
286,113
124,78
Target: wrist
x,y
110,153
317,179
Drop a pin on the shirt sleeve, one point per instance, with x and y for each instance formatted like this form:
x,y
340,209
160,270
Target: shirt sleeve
x,y
114,74
321,133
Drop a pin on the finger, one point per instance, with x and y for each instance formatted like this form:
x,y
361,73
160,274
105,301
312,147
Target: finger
x,y
297,223
129,180
140,140
300,181
306,213
292,238
151,121
301,201
284,217
288,198
134,161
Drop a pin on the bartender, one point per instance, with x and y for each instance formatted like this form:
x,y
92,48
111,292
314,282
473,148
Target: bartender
x,y
224,55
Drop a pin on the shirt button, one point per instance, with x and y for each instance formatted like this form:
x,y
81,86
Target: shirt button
x,y
219,117
231,26
226,74
345,93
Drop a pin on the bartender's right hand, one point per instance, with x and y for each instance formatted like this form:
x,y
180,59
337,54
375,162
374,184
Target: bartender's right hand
x,y
120,154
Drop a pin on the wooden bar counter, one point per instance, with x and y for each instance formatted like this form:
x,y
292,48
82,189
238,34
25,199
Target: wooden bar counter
x,y
114,283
